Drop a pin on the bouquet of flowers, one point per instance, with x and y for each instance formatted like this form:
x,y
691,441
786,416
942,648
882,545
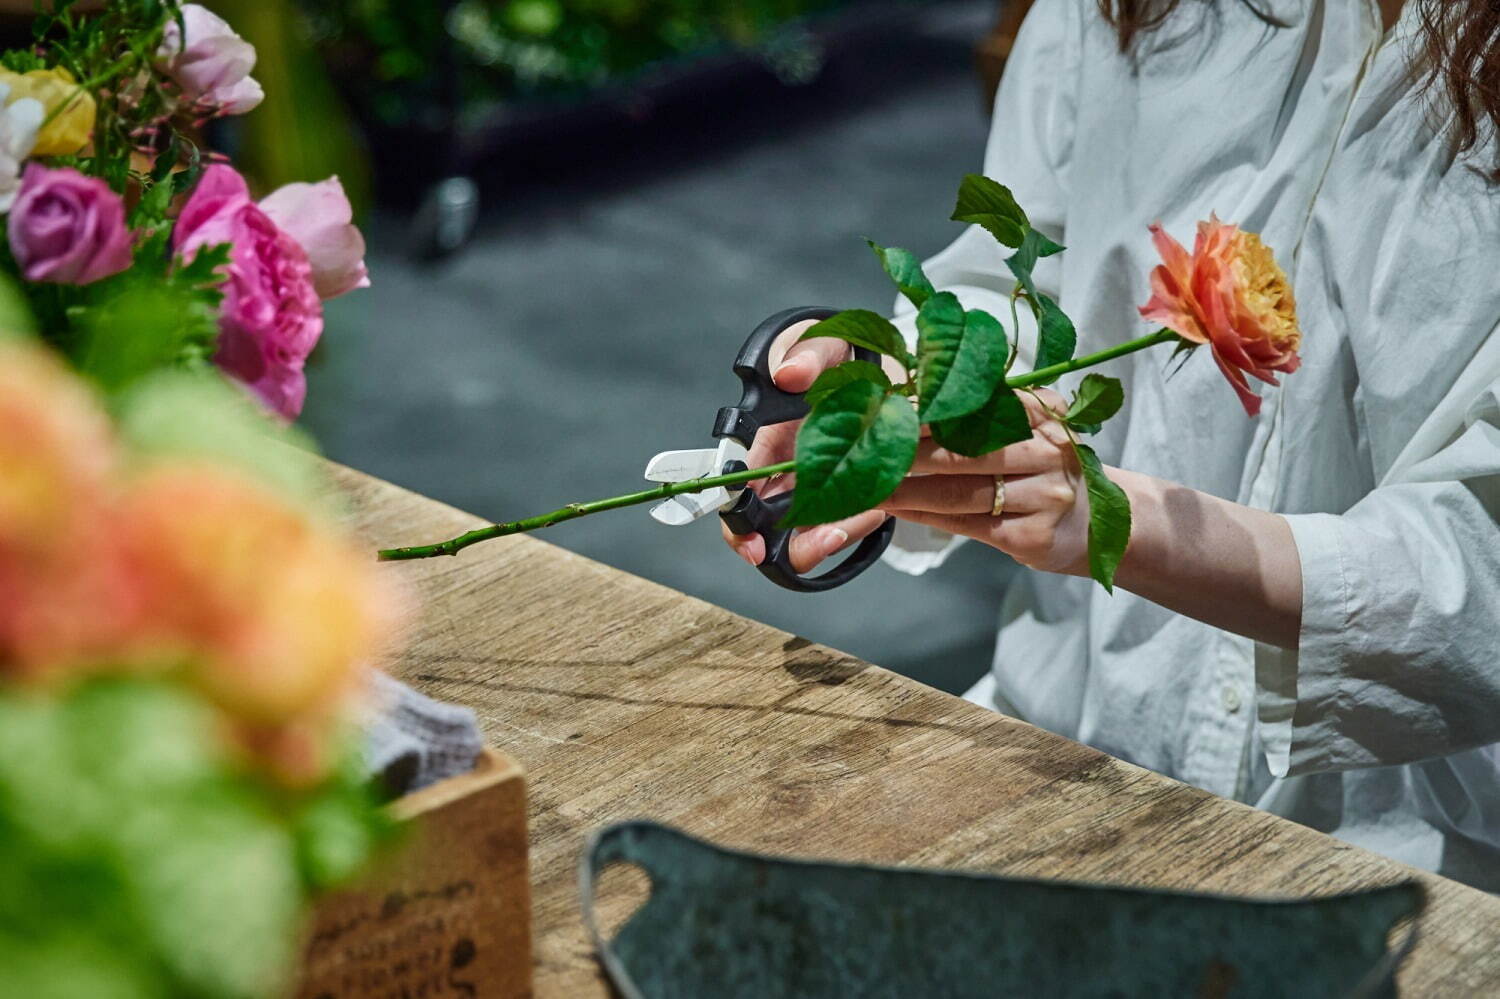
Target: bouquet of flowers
x,y
111,204
183,631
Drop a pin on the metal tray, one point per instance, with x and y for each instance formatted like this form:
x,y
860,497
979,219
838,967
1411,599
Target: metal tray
x,y
728,924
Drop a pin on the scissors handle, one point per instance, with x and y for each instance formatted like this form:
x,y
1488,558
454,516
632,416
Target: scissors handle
x,y
753,515
762,404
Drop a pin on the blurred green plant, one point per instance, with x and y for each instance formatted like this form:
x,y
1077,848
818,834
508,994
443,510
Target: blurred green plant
x,y
139,864
509,49
143,853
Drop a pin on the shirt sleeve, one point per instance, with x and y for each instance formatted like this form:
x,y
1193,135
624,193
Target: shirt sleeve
x,y
1029,147
1398,659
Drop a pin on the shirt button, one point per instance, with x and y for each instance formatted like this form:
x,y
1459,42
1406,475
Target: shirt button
x,y
1231,698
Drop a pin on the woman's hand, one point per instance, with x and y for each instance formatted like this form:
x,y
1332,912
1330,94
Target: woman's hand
x,y
794,367
1044,519
1228,565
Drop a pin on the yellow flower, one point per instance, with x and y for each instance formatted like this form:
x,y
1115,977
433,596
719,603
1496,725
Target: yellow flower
x,y
71,128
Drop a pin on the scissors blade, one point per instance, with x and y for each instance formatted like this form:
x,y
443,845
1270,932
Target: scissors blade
x,y
680,466
688,507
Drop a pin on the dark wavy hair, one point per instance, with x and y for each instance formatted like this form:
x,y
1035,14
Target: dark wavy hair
x,y
1458,58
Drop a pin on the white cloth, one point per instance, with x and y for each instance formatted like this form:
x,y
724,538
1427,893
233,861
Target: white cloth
x,y
1382,451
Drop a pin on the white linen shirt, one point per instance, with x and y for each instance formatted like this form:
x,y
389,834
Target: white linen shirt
x,y
1382,451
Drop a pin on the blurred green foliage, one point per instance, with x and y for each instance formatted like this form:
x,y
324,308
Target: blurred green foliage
x,y
510,49
137,864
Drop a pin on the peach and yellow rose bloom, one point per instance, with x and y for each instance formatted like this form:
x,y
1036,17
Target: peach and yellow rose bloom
x,y
1232,295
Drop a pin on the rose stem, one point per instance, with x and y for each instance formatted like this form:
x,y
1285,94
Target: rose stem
x,y
1088,361
573,510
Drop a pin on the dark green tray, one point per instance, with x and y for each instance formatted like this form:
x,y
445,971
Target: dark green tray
x,y
725,924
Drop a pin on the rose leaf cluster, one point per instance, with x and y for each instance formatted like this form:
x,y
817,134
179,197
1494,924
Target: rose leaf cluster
x,y
861,435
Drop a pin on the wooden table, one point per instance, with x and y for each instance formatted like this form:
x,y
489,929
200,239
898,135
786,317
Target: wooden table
x,y
625,699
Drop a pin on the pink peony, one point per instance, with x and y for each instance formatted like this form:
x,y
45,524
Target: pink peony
x,y
271,317
66,228
213,68
318,216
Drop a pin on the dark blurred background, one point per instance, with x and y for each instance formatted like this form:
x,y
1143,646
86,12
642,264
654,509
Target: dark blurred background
x,y
577,210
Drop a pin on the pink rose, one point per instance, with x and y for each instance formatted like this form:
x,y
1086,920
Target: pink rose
x,y
213,68
271,317
66,228
318,216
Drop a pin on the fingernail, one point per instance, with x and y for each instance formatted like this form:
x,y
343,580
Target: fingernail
x,y
834,539
749,559
784,366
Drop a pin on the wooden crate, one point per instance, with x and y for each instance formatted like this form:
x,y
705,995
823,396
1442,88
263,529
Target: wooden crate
x,y
449,914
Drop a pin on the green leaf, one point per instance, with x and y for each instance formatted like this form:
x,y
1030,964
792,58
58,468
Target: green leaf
x,y
22,60
853,450
1098,398
990,204
863,328
1034,247
960,358
16,319
1001,421
905,269
153,204
1056,338
836,378
335,835
159,314
1109,518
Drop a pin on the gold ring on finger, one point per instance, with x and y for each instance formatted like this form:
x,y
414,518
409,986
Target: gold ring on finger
x,y
998,507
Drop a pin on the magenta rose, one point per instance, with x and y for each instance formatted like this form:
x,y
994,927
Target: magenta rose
x,y
66,228
271,316
319,218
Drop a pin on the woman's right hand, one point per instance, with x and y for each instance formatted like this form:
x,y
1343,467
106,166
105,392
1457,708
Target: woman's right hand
x,y
794,367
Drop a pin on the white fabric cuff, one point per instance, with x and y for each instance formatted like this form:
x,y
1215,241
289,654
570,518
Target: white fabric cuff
x,y
1297,691
917,548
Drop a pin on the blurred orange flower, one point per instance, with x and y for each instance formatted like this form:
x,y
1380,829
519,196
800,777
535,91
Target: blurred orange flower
x,y
1230,294
187,566
64,595
278,614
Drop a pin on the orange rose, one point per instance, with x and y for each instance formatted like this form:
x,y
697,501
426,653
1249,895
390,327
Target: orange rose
x,y
276,614
65,597
1231,295
56,449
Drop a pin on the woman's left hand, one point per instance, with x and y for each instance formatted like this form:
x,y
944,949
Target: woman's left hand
x,y
1044,520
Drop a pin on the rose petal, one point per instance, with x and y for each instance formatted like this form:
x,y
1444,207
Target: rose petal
x,y
318,217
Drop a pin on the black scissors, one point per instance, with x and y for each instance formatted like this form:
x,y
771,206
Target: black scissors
x,y
762,404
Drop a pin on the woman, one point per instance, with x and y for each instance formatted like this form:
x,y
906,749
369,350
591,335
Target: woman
x,y
1308,616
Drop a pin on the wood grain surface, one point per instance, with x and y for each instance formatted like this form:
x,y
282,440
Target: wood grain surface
x,y
624,699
